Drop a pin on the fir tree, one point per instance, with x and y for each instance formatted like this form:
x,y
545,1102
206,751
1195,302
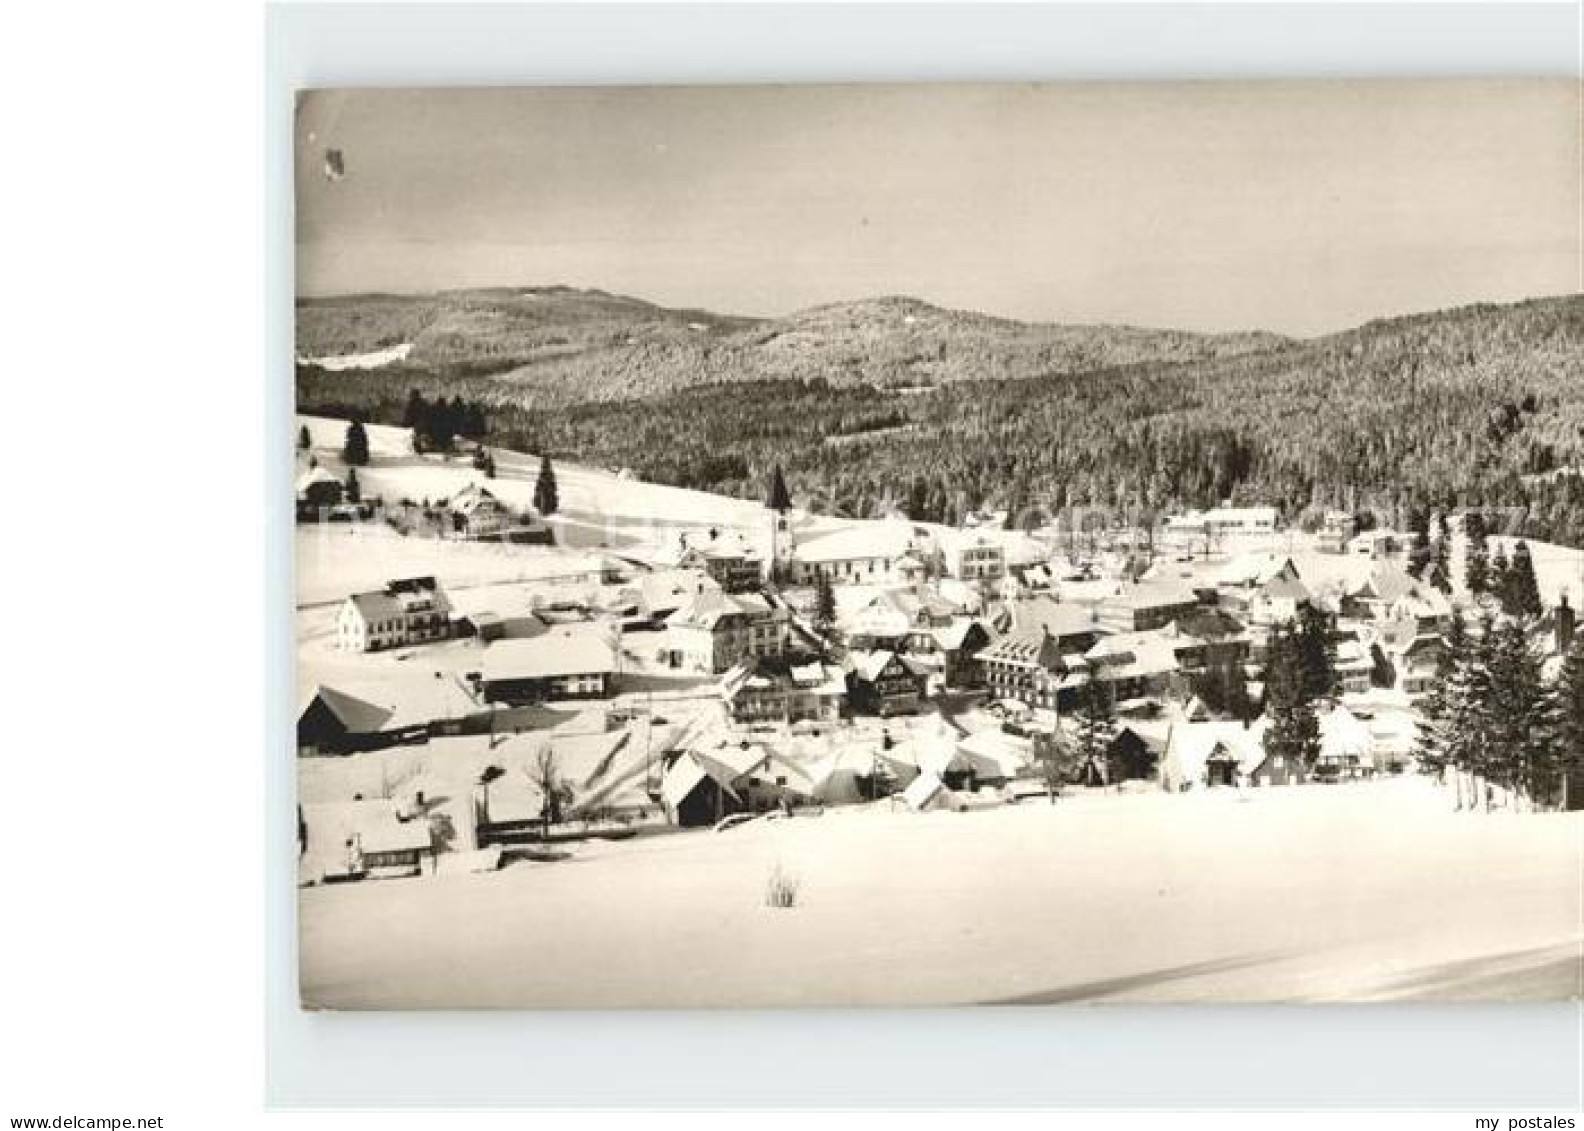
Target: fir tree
x,y
1318,653
417,410
1439,703
1521,592
547,499
1476,567
1519,724
355,450
304,440
1096,723
1570,726
1496,577
1440,575
354,490
824,604
1294,731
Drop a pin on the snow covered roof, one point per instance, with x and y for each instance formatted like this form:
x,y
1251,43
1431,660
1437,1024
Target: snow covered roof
x,y
563,651
1190,747
1344,736
928,792
1256,569
868,666
707,608
315,475
1062,619
886,540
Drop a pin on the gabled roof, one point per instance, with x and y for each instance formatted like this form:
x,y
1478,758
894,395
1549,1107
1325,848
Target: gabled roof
x,y
868,666
376,606
955,634
358,716
1028,647
1385,582
1285,589
706,609
472,498
315,475
1256,569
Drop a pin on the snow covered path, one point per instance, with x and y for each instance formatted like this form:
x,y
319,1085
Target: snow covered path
x,y
1359,892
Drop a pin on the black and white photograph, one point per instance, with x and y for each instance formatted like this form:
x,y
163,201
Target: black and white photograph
x,y
956,544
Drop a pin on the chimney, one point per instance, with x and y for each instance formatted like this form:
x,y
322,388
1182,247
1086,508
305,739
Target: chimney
x,y
1564,625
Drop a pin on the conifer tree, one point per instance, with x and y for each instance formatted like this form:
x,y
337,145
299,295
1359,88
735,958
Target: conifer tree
x,y
547,499
304,440
1294,731
355,449
1570,727
1521,592
1433,739
824,604
354,490
1318,652
1440,573
1096,723
1496,577
1476,567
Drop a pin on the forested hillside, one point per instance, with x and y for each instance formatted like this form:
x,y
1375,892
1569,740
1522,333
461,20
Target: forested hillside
x,y
1477,405
555,345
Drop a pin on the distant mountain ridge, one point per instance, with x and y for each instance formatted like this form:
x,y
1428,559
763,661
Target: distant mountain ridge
x,y
559,345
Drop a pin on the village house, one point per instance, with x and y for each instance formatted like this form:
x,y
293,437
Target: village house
x,y
1210,638
1424,608
859,554
927,628
1209,531
1136,665
729,559
363,840
566,662
884,684
701,787
1417,663
1354,664
1347,748
780,690
413,610
1375,544
317,492
476,513
713,631
974,556
1334,533
1210,755
954,651
1373,597
355,715
1141,606
1045,641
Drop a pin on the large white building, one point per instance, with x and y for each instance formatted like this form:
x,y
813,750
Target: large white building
x,y
413,610
1207,531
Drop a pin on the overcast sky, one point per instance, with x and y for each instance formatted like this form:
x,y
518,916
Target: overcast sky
x,y
1295,207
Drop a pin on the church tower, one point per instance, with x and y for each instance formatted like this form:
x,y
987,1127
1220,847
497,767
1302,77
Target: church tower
x,y
783,543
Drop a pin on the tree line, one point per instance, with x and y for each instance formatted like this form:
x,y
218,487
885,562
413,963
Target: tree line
x,y
1494,720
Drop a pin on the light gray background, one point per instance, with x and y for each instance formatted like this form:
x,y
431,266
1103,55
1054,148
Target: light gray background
x,y
1456,1058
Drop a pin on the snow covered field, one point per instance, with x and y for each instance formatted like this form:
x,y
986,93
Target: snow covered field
x,y
1370,891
